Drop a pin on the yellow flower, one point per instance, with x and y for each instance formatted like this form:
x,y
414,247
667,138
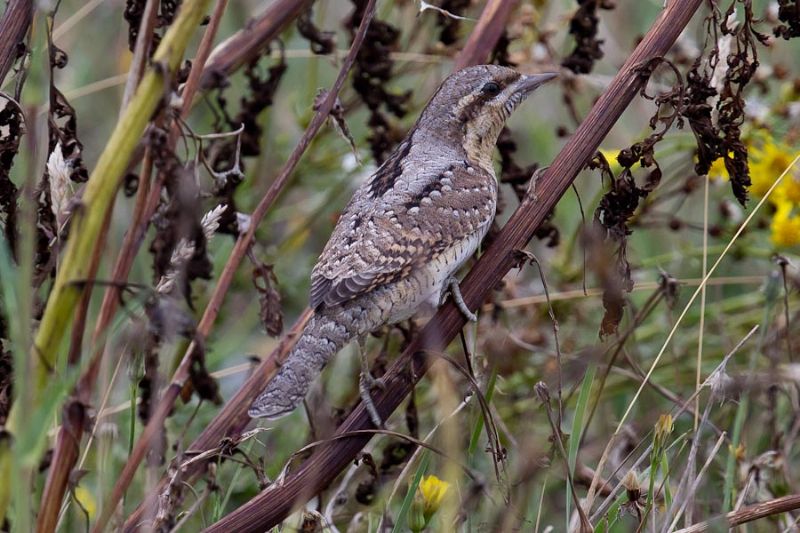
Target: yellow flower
x,y
611,157
767,163
788,191
785,226
86,500
433,490
718,170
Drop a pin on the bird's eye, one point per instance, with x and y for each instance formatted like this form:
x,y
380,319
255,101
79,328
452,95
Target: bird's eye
x,y
490,88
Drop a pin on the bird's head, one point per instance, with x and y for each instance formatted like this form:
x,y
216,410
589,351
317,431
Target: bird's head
x,y
472,105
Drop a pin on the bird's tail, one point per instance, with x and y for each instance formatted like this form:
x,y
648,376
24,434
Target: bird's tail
x,y
321,339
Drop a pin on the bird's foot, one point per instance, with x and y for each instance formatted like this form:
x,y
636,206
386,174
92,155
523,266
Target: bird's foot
x,y
458,299
365,383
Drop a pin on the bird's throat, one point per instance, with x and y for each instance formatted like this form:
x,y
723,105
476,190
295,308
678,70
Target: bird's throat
x,y
480,138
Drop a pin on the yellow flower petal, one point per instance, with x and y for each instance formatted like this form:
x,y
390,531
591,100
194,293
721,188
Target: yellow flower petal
x,y
86,500
718,170
611,157
433,491
767,163
785,226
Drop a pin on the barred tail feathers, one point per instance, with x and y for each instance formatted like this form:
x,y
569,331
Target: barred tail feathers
x,y
321,339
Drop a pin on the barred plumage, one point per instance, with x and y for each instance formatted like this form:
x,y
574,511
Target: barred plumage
x,y
408,228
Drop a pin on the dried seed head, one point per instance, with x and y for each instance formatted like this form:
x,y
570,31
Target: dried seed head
x,y
632,485
59,171
664,427
210,221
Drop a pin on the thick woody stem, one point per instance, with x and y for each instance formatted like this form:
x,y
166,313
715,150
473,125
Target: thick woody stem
x,y
275,503
487,32
13,26
243,243
247,43
233,418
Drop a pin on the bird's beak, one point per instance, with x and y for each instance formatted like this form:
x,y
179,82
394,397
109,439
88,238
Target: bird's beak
x,y
526,84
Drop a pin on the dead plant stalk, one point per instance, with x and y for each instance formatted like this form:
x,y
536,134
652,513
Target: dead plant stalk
x,y
233,417
275,503
238,253
70,434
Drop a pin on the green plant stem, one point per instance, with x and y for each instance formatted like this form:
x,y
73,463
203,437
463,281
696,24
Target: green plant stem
x,y
744,405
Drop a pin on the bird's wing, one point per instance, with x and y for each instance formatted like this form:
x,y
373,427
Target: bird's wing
x,y
376,242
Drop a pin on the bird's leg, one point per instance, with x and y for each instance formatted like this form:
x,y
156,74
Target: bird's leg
x,y
365,383
451,285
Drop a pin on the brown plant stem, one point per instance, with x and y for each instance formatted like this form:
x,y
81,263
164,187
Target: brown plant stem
x,y
243,243
276,502
487,32
230,421
233,418
13,26
245,45
747,514
141,51
75,421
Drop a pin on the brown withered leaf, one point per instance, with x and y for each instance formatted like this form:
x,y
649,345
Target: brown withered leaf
x,y
583,27
789,14
11,124
371,73
223,154
321,42
6,383
206,386
269,297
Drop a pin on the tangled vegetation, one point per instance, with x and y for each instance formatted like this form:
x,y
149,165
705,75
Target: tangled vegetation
x,y
170,171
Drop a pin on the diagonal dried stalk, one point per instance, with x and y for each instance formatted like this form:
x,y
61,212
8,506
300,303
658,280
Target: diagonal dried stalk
x,y
75,420
248,42
233,418
13,26
747,514
141,51
244,242
487,32
275,503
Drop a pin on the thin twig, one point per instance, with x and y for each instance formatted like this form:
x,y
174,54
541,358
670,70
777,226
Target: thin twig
x,y
544,395
748,514
141,52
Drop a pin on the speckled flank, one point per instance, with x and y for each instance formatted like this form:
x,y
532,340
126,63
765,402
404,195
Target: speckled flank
x,y
406,230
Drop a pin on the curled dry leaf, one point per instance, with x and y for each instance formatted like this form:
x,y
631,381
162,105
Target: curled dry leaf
x,y
11,130
371,73
321,42
583,27
789,15
269,297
